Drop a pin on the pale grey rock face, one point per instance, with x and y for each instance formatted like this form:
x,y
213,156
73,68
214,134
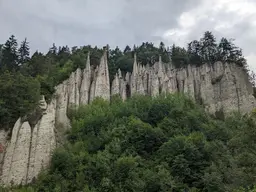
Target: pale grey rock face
x,y
74,84
134,77
86,83
77,86
10,148
220,88
16,159
140,88
154,85
102,84
92,89
123,92
119,86
71,90
30,148
115,90
62,99
43,142
3,145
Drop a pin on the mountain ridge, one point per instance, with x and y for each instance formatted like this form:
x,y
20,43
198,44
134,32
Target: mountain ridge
x,y
221,88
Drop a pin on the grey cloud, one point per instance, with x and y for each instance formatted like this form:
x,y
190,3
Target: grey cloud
x,y
116,22
243,30
79,22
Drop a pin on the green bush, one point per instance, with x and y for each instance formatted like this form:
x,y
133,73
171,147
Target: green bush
x,y
152,144
19,95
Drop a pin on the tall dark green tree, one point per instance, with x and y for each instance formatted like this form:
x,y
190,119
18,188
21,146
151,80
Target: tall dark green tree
x,y
208,47
229,52
147,53
113,66
194,52
179,56
53,49
37,64
162,47
19,95
127,49
224,49
164,53
10,55
23,52
1,54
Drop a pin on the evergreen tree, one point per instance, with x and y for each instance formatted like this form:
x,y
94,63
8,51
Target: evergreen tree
x,y
37,64
179,56
53,50
134,48
208,47
63,55
228,52
113,65
164,53
10,55
1,54
64,50
224,49
194,53
23,52
19,95
162,47
127,49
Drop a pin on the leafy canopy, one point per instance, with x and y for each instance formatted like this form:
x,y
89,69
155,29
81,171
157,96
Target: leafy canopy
x,y
153,144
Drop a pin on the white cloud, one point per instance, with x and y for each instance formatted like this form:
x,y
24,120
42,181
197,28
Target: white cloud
x,y
225,18
122,22
252,60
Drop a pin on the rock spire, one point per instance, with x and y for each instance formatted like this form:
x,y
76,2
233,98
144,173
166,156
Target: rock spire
x,y
220,87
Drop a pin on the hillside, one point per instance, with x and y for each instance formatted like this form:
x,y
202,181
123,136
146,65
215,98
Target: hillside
x,y
163,115
144,144
24,77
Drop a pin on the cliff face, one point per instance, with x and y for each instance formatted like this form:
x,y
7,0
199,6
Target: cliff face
x,y
220,88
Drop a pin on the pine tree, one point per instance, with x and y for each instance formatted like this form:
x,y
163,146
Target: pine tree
x,y
37,64
208,47
162,47
1,54
127,49
194,52
23,52
53,50
179,56
10,55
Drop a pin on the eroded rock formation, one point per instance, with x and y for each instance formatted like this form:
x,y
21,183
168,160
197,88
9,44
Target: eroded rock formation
x,y
220,87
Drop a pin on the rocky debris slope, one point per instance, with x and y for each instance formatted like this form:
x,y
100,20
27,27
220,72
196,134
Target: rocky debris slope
x,y
221,88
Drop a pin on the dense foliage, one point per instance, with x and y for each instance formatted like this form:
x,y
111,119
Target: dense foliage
x,y
56,65
160,144
19,94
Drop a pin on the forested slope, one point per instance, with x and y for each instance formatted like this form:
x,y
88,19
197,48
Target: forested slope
x,y
24,75
144,144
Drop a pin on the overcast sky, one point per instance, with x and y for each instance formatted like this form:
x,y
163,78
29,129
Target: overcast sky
x,y
122,22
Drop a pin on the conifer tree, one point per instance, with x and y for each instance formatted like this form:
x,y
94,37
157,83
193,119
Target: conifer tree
x,y
127,49
1,54
23,52
194,53
208,47
10,55
53,50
